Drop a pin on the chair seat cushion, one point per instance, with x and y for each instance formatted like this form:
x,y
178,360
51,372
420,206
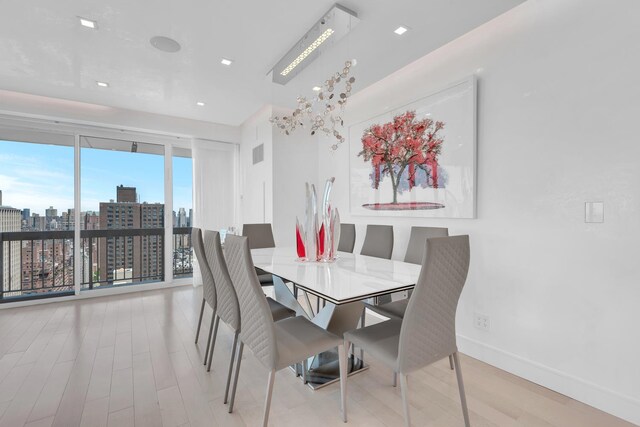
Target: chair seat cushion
x,y
279,311
298,338
393,310
380,341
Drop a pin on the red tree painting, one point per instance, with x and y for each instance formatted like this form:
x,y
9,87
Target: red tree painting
x,y
404,144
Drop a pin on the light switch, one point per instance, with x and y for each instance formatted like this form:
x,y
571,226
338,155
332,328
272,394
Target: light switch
x,y
594,212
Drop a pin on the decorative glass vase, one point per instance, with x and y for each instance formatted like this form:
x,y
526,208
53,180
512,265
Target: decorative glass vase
x,y
318,237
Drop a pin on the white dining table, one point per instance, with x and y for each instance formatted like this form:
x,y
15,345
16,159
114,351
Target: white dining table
x,y
351,277
342,285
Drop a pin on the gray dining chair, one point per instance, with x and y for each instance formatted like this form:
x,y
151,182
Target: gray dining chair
x,y
275,344
260,236
347,237
378,242
428,331
208,288
416,251
228,306
414,255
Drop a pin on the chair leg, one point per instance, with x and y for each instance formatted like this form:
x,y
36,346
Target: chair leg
x,y
362,320
395,379
233,355
305,369
451,362
463,398
267,400
235,379
206,352
404,389
213,342
343,361
200,320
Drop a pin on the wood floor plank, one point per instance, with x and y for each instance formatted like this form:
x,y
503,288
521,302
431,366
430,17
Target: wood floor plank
x,y
100,383
13,381
7,362
122,418
145,398
162,368
70,410
43,422
123,353
27,394
51,394
139,339
95,413
121,396
195,402
172,407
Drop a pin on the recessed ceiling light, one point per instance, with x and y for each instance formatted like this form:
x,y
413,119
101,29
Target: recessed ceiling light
x,y
226,61
102,84
200,104
317,88
88,23
401,30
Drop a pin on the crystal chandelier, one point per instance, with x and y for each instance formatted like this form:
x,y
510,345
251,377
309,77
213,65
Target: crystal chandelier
x,y
323,112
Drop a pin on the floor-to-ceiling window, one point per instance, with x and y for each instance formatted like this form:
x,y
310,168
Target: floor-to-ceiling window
x,y
36,216
123,211
182,168
84,208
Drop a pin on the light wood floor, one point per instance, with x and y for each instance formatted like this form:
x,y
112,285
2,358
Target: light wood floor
x,y
130,360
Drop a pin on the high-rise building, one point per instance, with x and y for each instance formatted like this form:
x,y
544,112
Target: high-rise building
x,y
51,216
190,218
38,222
51,212
68,219
142,254
126,194
90,220
182,217
26,213
10,220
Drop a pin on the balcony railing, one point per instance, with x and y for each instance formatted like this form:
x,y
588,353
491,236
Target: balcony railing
x,y
182,252
37,264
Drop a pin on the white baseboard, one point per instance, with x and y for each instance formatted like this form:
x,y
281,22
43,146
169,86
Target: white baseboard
x,y
622,406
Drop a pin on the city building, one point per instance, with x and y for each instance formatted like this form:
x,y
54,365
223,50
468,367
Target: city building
x,y
38,223
68,219
182,218
142,254
10,221
126,194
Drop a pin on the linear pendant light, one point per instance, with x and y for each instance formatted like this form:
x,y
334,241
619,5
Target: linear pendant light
x,y
329,29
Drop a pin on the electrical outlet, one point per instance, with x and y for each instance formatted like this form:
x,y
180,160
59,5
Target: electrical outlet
x,y
481,321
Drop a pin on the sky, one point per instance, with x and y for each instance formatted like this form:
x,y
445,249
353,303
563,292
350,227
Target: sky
x,y
37,176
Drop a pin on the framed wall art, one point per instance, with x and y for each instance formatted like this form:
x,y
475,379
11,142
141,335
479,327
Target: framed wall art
x,y
418,160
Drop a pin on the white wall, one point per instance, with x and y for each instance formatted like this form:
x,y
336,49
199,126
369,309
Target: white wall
x,y
295,161
256,182
559,101
273,190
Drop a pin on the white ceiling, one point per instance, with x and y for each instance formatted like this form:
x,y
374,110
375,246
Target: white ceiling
x,y
44,50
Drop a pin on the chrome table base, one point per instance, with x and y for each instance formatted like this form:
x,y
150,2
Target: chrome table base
x,y
337,319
